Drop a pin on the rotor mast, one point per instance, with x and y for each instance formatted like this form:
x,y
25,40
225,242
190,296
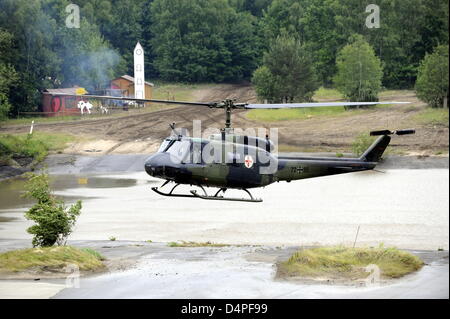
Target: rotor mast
x,y
228,105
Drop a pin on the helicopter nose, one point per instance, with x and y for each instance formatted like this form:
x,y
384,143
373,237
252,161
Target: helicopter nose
x,y
160,165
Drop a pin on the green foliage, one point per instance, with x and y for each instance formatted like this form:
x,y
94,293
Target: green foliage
x,y
8,75
54,221
362,143
287,74
94,253
54,258
199,40
433,116
432,80
343,262
359,71
408,30
36,146
202,41
47,54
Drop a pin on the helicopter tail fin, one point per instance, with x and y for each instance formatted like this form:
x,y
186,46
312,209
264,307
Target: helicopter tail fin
x,y
376,150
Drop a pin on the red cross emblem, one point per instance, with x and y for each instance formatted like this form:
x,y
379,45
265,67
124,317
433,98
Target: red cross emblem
x,y
248,161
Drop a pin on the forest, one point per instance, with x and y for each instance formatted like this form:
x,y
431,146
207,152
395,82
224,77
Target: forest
x,y
198,41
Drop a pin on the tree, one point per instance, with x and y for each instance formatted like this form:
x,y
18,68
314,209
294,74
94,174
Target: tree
x,y
288,74
54,221
432,80
266,85
359,71
202,41
8,75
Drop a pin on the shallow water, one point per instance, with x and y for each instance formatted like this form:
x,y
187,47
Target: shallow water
x,y
12,190
404,208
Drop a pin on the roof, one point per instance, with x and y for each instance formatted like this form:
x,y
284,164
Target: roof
x,y
62,91
131,79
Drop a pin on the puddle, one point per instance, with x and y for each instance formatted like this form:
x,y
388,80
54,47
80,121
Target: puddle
x,y
11,190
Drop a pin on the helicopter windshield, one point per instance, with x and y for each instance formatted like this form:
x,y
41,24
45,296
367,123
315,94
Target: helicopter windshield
x,y
179,149
163,146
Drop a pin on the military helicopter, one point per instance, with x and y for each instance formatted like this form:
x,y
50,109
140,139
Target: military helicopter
x,y
232,161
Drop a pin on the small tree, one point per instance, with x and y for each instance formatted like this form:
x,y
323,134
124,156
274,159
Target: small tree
x,y
287,74
432,79
359,71
54,222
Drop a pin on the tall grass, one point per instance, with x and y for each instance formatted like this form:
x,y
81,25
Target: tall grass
x,y
342,261
36,145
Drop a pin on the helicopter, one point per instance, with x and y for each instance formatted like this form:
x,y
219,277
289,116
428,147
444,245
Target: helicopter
x,y
229,160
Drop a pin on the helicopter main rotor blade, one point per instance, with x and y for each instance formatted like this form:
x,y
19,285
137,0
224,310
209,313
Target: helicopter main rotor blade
x,y
86,96
320,104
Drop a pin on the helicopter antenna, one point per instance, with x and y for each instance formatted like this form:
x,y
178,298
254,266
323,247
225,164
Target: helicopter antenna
x,y
174,131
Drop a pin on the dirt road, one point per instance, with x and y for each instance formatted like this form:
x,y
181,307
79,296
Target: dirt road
x,y
142,131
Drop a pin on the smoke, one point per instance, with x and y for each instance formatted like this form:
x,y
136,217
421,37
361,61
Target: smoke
x,y
96,68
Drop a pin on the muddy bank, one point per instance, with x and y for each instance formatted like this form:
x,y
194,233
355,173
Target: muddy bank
x,y
15,166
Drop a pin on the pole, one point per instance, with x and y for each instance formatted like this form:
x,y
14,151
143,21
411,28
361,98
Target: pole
x,y
357,232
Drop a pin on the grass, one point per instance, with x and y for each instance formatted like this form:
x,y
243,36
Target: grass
x,y
50,258
195,244
36,146
327,94
343,262
432,116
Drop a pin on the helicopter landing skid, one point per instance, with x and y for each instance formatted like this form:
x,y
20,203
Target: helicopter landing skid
x,y
194,194
216,197
156,190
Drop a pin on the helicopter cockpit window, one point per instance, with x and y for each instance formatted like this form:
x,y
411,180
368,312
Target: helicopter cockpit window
x,y
179,149
164,146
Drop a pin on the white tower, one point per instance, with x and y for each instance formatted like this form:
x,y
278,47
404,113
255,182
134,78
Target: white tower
x,y
139,75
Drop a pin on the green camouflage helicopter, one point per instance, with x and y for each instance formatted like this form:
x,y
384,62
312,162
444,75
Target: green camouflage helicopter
x,y
232,161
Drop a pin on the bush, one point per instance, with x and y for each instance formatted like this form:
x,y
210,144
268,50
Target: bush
x,y
432,79
54,222
359,71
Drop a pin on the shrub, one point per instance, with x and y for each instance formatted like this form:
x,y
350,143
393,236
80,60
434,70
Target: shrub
x,y
54,221
432,79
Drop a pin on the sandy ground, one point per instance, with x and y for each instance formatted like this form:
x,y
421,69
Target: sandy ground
x,y
141,131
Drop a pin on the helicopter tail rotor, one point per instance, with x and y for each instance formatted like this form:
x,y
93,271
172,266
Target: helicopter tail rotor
x,y
376,150
388,132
